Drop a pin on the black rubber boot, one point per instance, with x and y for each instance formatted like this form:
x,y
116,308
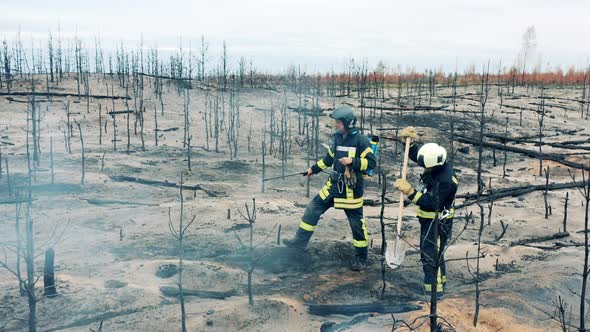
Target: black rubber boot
x,y
294,243
358,264
360,260
300,240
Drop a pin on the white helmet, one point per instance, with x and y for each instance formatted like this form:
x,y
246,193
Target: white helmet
x,y
431,155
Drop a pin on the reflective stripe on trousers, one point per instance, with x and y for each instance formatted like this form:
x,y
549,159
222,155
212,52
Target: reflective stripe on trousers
x,y
318,206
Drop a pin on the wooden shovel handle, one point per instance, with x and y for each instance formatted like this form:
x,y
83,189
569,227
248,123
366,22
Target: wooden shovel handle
x,y
401,197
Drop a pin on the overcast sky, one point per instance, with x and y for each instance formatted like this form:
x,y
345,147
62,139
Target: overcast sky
x,y
324,34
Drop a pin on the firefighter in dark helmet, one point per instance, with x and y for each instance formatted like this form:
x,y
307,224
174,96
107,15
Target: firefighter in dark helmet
x,y
349,155
434,194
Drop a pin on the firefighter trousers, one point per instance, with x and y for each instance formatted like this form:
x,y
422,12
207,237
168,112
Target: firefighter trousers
x,y
429,247
317,207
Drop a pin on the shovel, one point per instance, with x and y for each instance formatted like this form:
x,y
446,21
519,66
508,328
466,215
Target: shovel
x,y
395,254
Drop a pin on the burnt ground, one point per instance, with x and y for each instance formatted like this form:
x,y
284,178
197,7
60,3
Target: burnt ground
x,y
116,237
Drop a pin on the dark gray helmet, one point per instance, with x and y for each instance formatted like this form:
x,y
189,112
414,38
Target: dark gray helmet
x,y
346,115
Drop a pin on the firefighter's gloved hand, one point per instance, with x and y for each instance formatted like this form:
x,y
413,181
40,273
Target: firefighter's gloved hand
x,y
404,186
408,132
345,160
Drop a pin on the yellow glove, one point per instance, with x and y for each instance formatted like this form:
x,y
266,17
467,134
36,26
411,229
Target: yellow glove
x,y
408,132
349,177
404,186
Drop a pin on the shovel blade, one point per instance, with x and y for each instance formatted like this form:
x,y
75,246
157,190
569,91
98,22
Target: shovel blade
x,y
395,254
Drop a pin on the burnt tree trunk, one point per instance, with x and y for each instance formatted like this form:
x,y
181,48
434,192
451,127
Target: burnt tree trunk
x,y
546,194
565,212
586,193
83,156
51,160
49,274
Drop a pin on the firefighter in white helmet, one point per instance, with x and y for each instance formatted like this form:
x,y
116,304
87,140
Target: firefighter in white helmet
x,y
434,196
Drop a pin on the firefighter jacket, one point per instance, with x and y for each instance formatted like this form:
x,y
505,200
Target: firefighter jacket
x,y
356,146
442,177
